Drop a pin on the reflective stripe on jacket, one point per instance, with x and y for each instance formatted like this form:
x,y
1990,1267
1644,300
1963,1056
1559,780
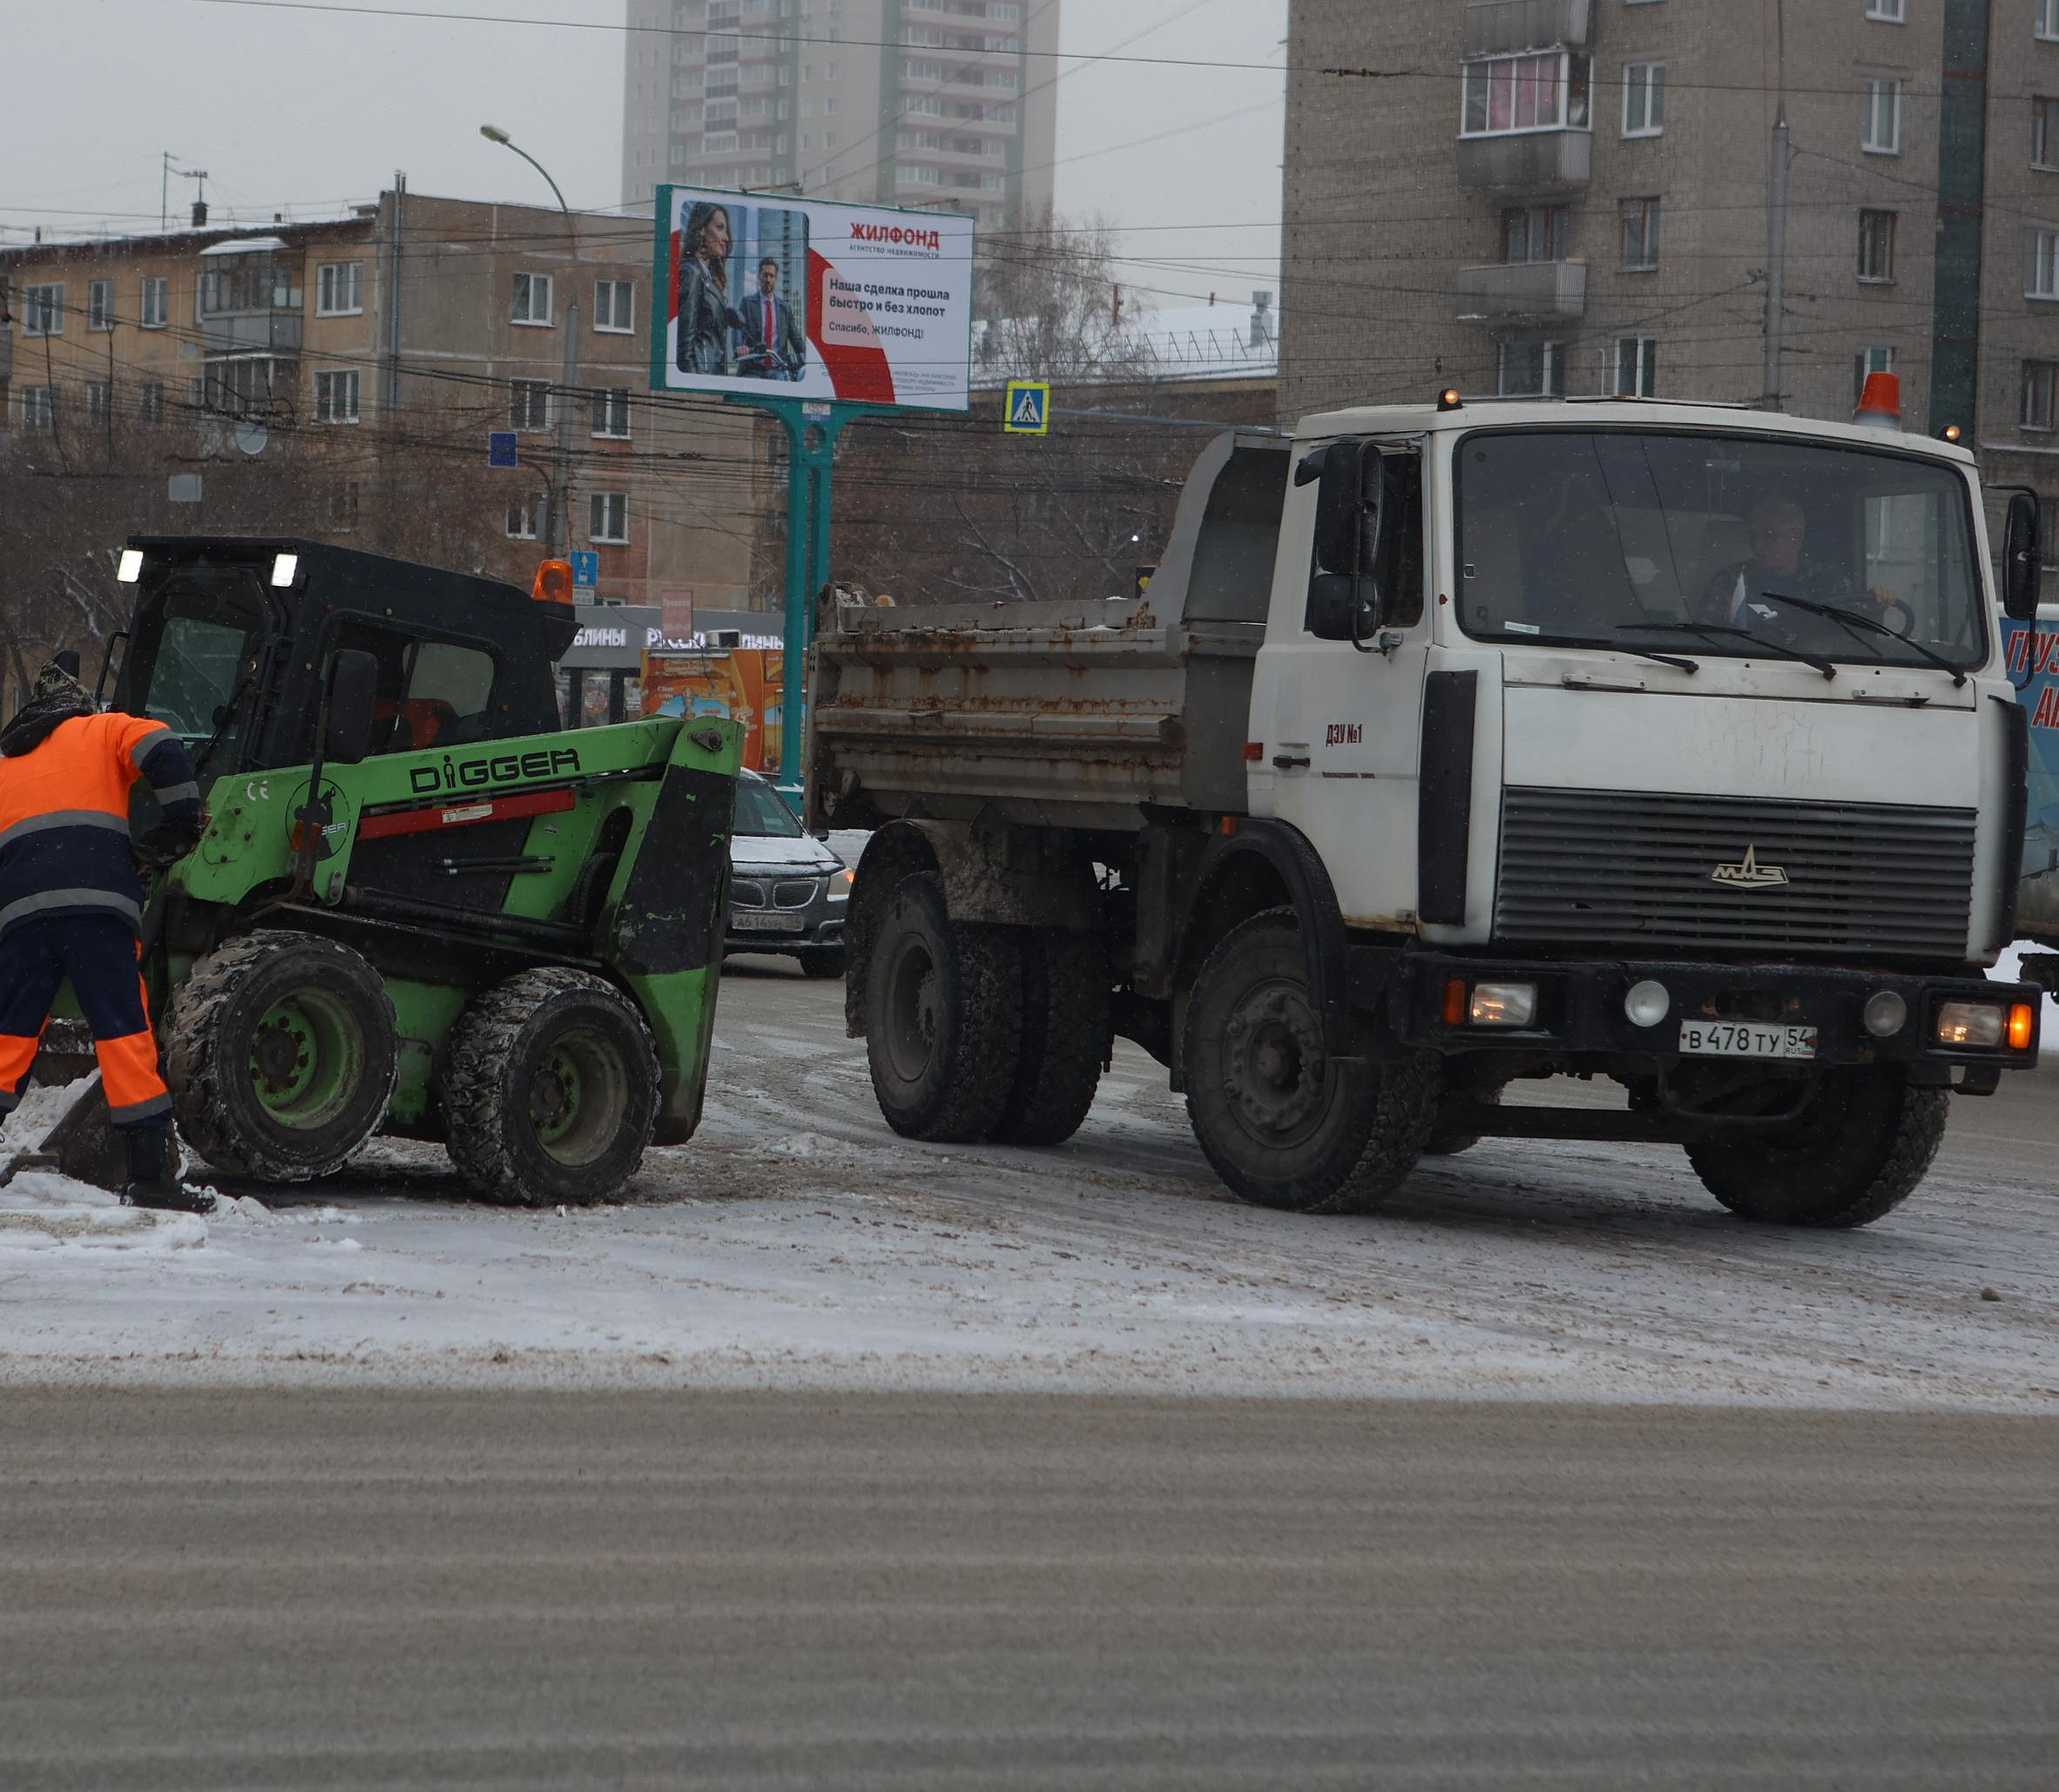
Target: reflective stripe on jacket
x,y
64,815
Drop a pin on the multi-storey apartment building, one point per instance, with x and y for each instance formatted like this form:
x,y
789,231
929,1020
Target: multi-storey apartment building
x,y
378,352
894,102
1573,196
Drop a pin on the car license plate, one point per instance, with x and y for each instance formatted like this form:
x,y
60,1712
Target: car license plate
x,y
751,920
1735,1038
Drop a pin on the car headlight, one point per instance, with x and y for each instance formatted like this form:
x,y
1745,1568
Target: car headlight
x,y
839,885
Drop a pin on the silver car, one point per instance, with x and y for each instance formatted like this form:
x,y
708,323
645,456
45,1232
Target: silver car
x,y
787,891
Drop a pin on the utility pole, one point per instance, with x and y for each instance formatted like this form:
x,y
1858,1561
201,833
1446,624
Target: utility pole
x,y
393,299
561,522
168,170
1776,219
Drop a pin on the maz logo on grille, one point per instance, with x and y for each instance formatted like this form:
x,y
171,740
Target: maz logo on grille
x,y
1749,874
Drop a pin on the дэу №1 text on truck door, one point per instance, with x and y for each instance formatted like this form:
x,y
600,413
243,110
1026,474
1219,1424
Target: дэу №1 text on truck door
x,y
1455,747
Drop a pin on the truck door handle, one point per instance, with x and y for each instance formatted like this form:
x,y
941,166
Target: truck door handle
x,y
1289,762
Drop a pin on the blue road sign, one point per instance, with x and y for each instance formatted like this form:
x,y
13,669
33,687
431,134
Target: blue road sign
x,y
501,448
585,570
1029,411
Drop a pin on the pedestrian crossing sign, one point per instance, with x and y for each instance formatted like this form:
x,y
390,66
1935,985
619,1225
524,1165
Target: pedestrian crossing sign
x,y
1029,407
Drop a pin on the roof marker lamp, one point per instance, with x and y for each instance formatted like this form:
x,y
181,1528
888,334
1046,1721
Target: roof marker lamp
x,y
285,568
130,570
1449,399
1647,1003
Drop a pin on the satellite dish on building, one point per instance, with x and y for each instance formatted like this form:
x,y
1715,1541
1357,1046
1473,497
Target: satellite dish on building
x,y
252,436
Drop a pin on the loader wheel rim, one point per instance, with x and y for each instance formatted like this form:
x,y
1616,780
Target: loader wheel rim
x,y
912,1000
1275,1069
307,1058
578,1097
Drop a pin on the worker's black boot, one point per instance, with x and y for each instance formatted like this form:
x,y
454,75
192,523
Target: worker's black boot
x,y
153,1173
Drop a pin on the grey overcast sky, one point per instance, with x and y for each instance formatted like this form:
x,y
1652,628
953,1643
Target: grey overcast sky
x,y
306,112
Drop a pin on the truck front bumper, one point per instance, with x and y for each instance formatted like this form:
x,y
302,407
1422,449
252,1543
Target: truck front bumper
x,y
1580,1009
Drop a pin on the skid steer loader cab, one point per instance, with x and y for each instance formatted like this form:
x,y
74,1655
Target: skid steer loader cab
x,y
420,907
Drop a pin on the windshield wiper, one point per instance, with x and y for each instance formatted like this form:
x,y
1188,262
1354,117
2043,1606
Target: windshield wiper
x,y
1713,630
1665,659
1864,620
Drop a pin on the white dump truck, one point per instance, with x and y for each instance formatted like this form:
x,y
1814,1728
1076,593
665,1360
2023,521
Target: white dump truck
x,y
1455,747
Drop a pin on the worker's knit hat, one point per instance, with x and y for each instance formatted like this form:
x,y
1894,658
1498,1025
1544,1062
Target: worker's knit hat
x,y
55,697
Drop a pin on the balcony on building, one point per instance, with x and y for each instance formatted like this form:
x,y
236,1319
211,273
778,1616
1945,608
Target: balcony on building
x,y
1523,293
249,301
1500,27
1524,123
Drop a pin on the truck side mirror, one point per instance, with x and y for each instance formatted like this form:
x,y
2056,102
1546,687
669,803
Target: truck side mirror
x,y
353,689
1348,506
1342,607
2022,553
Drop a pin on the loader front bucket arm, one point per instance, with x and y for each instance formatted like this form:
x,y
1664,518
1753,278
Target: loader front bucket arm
x,y
668,908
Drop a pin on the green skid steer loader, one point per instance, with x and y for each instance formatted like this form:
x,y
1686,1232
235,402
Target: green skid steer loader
x,y
420,906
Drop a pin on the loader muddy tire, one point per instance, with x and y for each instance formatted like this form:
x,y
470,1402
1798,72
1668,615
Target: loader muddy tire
x,y
1064,1039
281,1054
943,1015
1858,1152
550,1090
1284,1124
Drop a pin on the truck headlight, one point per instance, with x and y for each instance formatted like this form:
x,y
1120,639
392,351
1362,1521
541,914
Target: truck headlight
x,y
1503,1005
1885,1015
1970,1023
1648,1003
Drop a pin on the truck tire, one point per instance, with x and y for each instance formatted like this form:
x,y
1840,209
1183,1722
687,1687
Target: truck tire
x,y
823,962
1284,1125
281,1054
1446,1141
1065,1041
1859,1151
550,1089
943,1013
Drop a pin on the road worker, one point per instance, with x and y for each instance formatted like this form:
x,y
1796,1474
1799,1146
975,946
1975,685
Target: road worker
x,y
72,904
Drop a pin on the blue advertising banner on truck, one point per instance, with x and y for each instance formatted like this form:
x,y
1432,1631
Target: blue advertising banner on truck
x,y
2034,669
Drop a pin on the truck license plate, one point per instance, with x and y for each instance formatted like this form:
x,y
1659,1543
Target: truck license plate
x,y
747,920
1732,1039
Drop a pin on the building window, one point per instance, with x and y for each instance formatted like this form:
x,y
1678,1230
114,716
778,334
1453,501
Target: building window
x,y
99,404
611,412
608,518
528,404
150,404
1505,94
2046,23
1876,246
532,298
614,306
1644,99
2041,264
339,289
335,397
247,384
1636,366
1640,233
1536,234
1869,360
249,282
100,304
1881,130
2044,133
1889,12
43,311
2039,378
157,302
39,407
525,519
1532,370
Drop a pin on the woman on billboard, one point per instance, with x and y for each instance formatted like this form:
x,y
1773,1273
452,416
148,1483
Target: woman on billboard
x,y
706,315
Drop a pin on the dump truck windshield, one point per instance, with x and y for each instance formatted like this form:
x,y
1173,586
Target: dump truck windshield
x,y
1714,544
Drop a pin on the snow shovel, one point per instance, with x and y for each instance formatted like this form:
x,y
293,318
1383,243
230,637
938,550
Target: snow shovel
x,y
81,1143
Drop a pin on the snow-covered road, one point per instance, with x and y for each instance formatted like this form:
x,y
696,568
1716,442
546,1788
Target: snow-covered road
x,y
797,1241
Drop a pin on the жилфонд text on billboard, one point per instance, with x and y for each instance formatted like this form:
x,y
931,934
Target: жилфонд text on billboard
x,y
792,299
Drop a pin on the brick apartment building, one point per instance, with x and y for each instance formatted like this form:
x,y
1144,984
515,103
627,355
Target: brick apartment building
x,y
377,352
893,101
1571,195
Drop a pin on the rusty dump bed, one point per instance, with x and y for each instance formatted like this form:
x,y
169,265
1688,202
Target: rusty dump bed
x,y
1061,714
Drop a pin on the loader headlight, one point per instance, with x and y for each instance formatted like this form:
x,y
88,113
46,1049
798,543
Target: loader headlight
x,y
130,569
285,567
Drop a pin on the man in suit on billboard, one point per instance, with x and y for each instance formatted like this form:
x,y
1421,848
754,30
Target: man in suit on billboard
x,y
773,346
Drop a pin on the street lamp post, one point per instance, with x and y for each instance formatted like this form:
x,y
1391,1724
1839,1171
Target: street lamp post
x,y
561,520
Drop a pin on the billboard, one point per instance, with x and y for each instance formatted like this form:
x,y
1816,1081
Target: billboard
x,y
784,298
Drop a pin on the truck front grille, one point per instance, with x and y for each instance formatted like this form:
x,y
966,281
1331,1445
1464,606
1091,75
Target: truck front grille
x,y
1627,869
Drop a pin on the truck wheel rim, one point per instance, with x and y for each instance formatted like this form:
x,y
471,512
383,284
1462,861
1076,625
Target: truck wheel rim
x,y
1273,1068
307,1058
578,1097
911,1010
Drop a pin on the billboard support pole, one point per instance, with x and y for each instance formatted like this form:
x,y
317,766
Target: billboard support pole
x,y
812,429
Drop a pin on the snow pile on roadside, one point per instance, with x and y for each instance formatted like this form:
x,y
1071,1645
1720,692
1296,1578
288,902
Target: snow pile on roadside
x,y
40,1211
